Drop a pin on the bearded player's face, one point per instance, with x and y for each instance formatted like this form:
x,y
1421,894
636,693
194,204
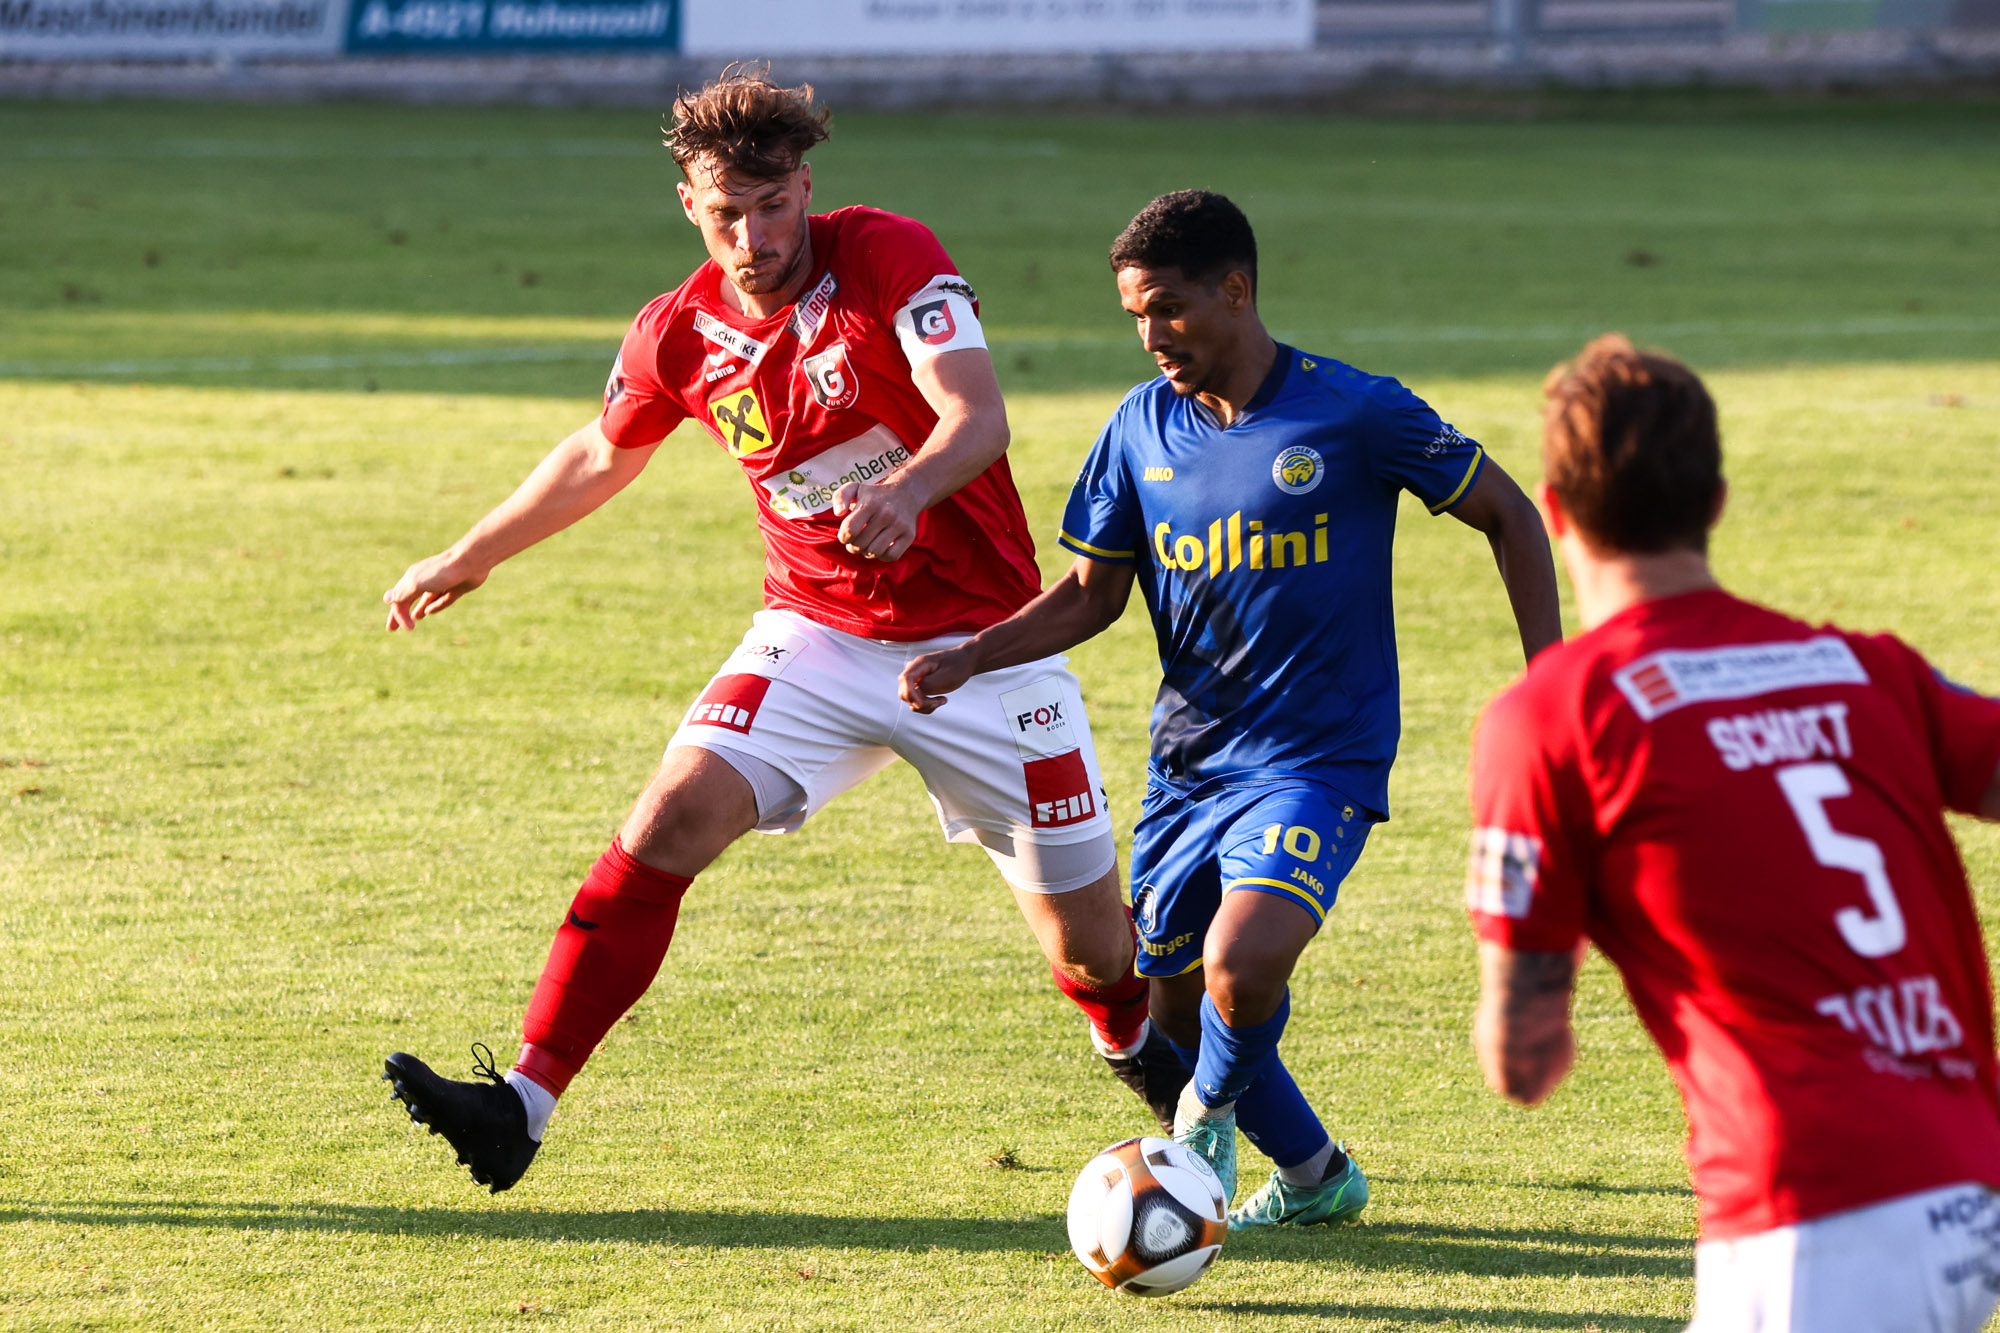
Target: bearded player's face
x,y
1187,325
754,229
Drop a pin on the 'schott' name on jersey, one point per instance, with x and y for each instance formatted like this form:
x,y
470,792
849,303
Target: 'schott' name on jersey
x,y
1782,736
1234,543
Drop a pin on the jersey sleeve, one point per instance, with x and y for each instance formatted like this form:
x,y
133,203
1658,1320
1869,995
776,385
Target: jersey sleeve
x,y
1417,452
917,289
638,410
1527,882
1961,726
1102,519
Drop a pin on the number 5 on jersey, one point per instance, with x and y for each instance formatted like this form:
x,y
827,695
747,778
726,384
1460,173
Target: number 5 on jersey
x,y
1807,788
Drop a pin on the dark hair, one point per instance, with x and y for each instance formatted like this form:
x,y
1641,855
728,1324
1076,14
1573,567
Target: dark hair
x,y
1630,447
1196,231
746,124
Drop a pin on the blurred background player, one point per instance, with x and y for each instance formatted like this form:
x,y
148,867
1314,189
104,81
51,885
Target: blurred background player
x,y
839,359
1746,814
1251,489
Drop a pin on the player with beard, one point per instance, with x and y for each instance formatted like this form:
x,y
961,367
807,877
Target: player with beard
x,y
1745,812
839,359
1251,492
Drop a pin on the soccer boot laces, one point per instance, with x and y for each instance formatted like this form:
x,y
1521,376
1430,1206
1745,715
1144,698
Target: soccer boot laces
x,y
1213,1139
1155,1075
484,1122
1338,1198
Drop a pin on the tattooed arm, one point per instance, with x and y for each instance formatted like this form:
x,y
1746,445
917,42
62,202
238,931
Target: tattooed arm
x,y
1521,1030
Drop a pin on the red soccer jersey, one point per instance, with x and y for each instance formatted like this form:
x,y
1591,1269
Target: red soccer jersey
x,y
1746,814
819,395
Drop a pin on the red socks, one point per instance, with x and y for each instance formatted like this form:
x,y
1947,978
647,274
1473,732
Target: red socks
x,y
1117,1012
606,952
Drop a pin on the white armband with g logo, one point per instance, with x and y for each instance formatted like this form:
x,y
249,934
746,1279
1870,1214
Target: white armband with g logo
x,y
939,318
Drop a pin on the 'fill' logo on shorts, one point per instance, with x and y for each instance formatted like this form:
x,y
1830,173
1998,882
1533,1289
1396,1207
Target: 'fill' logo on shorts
x,y
1059,790
729,701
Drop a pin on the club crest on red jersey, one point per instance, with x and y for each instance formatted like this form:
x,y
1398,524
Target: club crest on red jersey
x,y
835,386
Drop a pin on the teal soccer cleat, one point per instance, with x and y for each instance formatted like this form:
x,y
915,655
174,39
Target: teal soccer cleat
x,y
1213,1139
1337,1199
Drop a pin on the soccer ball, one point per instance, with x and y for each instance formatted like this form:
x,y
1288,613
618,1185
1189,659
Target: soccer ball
x,y
1147,1216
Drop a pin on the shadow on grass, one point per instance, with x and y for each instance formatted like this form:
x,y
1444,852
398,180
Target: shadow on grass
x,y
1451,1315
1478,1251
1579,1186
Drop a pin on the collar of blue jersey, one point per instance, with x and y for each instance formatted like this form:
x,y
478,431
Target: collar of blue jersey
x,y
1274,380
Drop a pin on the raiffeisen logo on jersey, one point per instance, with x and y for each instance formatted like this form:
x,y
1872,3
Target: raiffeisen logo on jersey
x,y
1236,543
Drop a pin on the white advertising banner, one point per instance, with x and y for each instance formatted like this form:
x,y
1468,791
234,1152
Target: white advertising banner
x,y
126,29
754,29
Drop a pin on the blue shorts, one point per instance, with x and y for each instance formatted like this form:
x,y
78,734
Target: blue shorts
x,y
1296,840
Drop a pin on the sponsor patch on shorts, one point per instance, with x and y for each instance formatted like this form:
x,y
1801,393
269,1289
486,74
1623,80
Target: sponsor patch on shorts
x,y
1059,790
763,654
1038,717
729,701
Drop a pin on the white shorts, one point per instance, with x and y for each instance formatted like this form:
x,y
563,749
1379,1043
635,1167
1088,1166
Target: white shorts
x,y
1008,761
1924,1263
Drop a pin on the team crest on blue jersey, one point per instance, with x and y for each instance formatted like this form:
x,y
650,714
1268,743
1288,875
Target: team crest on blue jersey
x,y
1298,469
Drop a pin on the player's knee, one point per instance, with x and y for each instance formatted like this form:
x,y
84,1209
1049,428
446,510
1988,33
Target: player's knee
x,y
673,830
1244,990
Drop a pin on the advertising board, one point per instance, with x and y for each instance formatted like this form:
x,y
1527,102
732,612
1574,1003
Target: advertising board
x,y
491,27
128,29
753,29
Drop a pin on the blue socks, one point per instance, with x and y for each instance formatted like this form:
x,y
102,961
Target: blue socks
x,y
1242,1065
1232,1058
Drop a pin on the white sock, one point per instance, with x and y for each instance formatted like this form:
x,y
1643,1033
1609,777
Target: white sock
x,y
1312,1171
1110,1052
536,1100
1192,1108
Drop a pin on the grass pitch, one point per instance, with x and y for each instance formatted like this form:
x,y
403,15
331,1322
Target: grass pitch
x,y
254,361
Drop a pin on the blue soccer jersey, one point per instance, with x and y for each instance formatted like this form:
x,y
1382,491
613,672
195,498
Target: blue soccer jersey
x,y
1263,553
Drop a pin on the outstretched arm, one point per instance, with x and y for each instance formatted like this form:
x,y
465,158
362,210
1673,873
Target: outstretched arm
x,y
1081,604
1522,1031
575,478
879,519
1513,527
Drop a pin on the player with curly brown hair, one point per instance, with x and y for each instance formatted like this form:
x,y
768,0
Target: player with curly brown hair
x,y
839,359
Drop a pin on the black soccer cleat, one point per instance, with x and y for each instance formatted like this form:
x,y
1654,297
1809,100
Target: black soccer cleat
x,y
1155,1074
485,1122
